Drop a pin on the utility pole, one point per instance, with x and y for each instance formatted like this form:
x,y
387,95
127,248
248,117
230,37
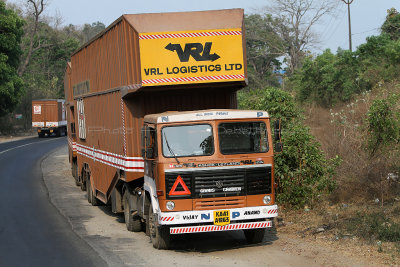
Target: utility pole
x,y
348,3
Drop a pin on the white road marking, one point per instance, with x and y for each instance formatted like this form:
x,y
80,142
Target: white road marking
x,y
4,151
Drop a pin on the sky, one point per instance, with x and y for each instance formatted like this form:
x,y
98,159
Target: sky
x,y
367,15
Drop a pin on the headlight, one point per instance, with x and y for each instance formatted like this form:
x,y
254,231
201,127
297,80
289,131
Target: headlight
x,y
170,205
267,200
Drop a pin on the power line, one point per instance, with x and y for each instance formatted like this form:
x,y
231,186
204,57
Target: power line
x,y
374,29
338,24
332,28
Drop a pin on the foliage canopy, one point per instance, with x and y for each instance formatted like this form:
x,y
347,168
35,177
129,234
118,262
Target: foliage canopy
x,y
11,86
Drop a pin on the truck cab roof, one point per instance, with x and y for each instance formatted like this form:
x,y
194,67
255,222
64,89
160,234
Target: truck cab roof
x,y
201,115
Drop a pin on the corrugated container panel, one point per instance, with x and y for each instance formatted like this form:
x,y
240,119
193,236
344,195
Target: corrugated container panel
x,y
104,133
110,61
113,58
186,21
67,83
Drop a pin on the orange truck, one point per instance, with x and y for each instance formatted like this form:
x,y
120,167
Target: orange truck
x,y
49,117
155,133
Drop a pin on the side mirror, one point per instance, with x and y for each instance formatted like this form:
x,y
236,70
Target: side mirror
x,y
277,130
143,141
150,153
148,142
278,147
277,134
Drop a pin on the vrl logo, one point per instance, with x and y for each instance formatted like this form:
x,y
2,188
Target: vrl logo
x,y
196,50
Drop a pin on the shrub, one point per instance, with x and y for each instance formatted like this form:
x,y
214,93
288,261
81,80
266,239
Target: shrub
x,y
383,120
302,172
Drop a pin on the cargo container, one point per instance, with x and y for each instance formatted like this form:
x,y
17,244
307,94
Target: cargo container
x,y
156,134
48,117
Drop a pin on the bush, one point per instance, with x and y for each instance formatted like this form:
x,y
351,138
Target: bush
x,y
383,120
277,102
302,172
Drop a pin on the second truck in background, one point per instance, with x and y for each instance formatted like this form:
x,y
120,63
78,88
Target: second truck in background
x,y
49,117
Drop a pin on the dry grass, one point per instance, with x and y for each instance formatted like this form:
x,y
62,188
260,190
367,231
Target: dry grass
x,y
342,131
365,229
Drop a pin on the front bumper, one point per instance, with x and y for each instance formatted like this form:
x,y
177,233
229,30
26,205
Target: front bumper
x,y
216,228
257,217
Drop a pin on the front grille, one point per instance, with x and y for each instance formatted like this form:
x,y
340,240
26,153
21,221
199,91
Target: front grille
x,y
259,181
221,183
213,204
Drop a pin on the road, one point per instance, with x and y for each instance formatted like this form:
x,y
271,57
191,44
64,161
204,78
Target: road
x,y
47,221
32,230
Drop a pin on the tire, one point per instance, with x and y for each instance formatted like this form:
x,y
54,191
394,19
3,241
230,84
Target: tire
x,y
82,181
90,196
74,169
254,236
88,189
41,135
132,224
160,236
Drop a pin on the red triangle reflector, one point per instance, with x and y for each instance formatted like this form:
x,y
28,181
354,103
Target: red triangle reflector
x,y
185,191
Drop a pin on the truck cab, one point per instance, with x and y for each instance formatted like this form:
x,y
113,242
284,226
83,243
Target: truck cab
x,y
209,170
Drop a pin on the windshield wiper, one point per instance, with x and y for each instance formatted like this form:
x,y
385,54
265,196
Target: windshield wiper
x,y
170,149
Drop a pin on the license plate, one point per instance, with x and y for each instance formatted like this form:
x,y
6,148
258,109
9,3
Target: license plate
x,y
222,217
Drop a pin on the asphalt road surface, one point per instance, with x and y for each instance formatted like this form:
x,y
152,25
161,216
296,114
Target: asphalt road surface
x,y
32,231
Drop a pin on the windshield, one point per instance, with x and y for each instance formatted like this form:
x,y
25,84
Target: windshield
x,y
242,137
187,140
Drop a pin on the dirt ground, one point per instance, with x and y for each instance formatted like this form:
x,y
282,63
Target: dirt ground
x,y
316,229
291,243
10,138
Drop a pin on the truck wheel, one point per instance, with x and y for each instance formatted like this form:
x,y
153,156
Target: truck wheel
x,y
82,181
77,181
159,235
132,224
90,196
74,169
41,135
254,236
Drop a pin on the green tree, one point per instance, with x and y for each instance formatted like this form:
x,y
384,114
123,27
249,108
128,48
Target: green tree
x,y
391,25
329,78
44,75
11,85
302,171
90,31
263,47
